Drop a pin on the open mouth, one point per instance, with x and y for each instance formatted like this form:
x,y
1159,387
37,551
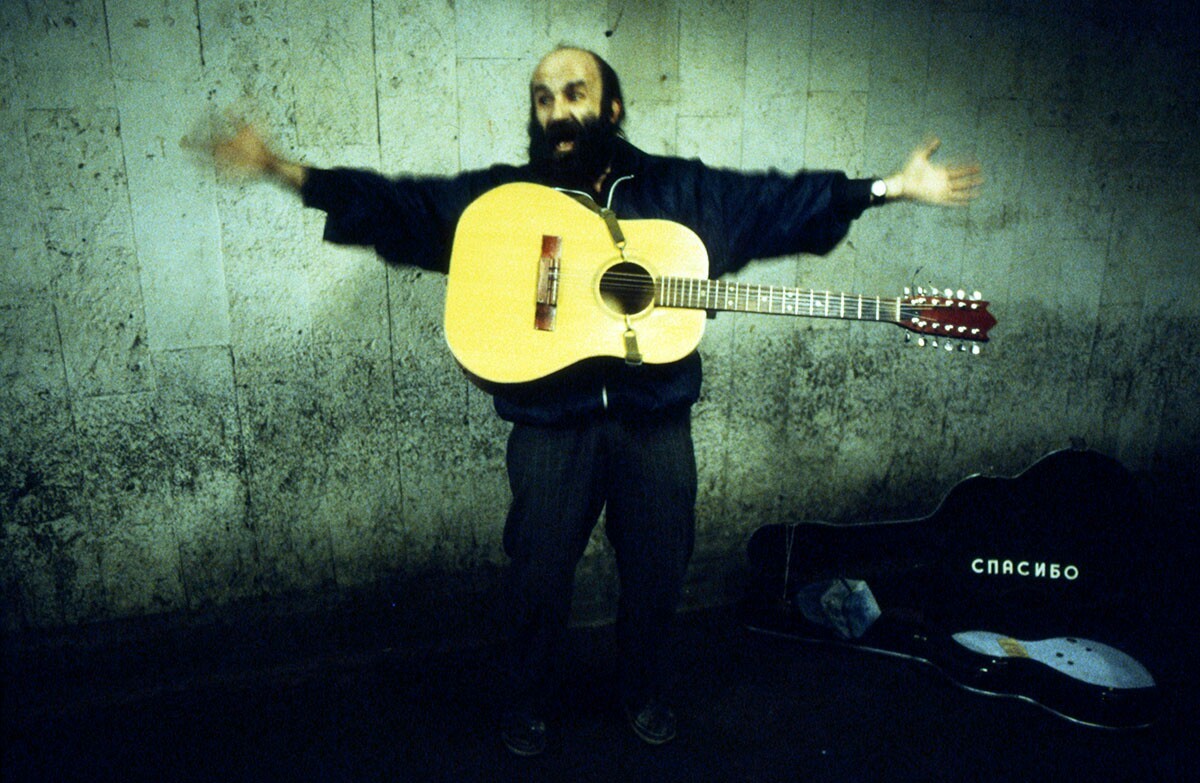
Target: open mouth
x,y
562,137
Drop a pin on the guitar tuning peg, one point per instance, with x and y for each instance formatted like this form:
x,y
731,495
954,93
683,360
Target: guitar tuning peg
x,y
907,291
959,294
921,290
976,296
921,341
949,294
950,346
975,350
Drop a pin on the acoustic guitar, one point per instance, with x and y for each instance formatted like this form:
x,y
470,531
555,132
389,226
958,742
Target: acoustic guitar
x,y
540,280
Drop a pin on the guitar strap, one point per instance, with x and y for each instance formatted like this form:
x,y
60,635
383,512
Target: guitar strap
x,y
633,355
607,215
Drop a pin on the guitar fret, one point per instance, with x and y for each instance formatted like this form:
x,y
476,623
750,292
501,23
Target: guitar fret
x,y
704,294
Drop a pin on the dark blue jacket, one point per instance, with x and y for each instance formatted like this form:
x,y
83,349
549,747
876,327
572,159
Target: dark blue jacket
x,y
739,216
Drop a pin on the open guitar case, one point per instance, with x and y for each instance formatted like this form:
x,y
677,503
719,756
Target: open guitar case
x,y
1040,587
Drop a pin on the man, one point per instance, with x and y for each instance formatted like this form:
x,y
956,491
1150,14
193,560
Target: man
x,y
603,434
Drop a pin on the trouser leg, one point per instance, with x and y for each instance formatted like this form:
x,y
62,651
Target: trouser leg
x,y
556,499
651,487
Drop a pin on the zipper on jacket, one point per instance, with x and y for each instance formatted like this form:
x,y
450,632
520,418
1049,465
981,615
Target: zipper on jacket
x,y
611,191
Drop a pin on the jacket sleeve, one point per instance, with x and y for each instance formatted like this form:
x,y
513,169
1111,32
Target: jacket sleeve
x,y
769,214
407,220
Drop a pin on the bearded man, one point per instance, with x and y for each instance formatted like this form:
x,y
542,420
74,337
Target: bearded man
x,y
604,433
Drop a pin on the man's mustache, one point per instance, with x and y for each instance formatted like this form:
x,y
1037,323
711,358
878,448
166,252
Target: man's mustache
x,y
563,130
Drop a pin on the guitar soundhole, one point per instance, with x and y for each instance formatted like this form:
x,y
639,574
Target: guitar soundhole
x,y
627,288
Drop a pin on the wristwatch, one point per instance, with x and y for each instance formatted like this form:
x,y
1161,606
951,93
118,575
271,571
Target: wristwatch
x,y
878,192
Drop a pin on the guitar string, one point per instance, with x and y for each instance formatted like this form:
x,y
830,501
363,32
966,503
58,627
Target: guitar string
x,y
628,282
784,300
780,302
646,275
639,283
643,277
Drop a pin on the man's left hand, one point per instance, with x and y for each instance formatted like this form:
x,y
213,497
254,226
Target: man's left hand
x,y
925,182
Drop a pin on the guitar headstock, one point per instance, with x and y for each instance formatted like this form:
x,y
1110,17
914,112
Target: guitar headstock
x,y
946,316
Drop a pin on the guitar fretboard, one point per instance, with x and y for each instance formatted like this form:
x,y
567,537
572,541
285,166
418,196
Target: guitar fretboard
x,y
701,294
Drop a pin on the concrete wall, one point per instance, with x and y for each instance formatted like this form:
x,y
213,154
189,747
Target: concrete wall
x,y
202,405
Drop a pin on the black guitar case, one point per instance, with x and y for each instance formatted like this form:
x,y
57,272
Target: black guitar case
x,y
1026,587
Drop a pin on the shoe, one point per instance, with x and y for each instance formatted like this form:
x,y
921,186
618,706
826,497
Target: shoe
x,y
654,722
523,733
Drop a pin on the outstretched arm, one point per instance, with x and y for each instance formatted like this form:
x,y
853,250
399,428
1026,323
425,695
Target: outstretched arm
x,y
925,182
246,152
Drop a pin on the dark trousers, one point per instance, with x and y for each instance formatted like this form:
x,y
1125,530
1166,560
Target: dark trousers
x,y
644,472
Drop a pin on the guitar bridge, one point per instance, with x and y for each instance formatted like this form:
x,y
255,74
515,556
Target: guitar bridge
x,y
546,305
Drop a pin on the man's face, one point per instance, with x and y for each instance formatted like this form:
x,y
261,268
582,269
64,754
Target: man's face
x,y
565,91
570,139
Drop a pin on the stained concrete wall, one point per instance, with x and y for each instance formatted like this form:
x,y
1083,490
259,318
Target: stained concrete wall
x,y
202,405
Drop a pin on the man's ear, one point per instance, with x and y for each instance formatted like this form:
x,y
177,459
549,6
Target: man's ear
x,y
615,114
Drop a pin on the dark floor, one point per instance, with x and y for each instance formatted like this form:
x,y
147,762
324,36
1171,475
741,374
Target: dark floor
x,y
752,708
346,694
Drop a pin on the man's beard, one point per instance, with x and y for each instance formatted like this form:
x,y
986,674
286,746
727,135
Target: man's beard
x,y
594,142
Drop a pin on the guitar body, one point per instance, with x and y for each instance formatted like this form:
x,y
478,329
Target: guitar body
x,y
539,281
493,289
1000,588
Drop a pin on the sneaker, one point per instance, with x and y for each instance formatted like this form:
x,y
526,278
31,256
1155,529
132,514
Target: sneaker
x,y
654,722
523,733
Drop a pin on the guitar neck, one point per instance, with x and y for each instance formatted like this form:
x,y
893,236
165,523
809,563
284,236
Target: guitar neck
x,y
701,294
